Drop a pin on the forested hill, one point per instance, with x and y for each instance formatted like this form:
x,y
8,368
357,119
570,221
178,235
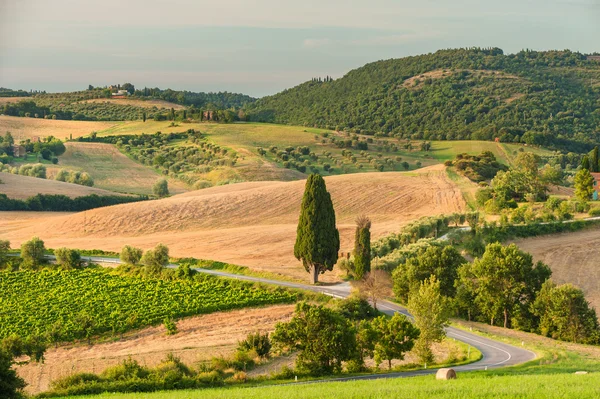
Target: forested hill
x,y
548,98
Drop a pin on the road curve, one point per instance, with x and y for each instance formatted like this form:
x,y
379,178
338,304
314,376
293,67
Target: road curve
x,y
495,354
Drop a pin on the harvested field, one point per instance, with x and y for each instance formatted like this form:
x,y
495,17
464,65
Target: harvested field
x,y
198,339
22,187
137,103
12,100
110,169
25,128
573,258
252,224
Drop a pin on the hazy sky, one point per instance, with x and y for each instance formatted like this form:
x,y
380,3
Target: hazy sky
x,y
260,47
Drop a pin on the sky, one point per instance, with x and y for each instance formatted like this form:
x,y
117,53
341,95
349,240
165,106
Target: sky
x,y
260,47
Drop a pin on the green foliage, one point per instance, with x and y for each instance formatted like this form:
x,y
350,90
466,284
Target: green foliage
x,y
90,301
441,262
68,258
257,342
75,177
317,239
584,185
32,253
565,314
472,98
62,203
131,255
356,308
156,259
362,247
4,249
431,311
170,326
504,283
11,385
478,168
161,188
395,337
324,338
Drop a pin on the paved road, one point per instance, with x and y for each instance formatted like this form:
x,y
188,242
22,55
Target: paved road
x,y
495,354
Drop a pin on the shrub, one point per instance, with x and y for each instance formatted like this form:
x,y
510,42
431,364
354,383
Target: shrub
x,y
260,343
131,255
170,326
68,258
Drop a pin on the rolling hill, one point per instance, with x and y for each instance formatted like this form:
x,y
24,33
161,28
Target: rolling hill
x,y
546,98
251,224
23,187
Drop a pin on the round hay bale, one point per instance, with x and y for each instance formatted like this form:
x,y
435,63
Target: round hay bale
x,y
445,374
581,372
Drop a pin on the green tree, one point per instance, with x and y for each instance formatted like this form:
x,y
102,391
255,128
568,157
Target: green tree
x,y
362,247
156,259
11,385
68,258
593,159
260,343
366,338
324,338
32,253
584,185
442,262
505,281
565,314
317,239
161,188
395,337
130,255
431,312
4,248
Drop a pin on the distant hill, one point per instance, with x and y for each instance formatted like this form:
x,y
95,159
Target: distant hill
x,y
547,98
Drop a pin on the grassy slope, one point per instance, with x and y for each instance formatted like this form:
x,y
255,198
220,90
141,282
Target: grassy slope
x,y
111,170
550,376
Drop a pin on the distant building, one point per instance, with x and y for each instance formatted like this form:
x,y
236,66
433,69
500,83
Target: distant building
x,y
120,94
19,151
36,139
596,177
594,58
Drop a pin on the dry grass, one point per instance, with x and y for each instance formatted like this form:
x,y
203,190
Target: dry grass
x,y
24,128
440,74
573,258
12,100
198,339
137,103
111,170
22,187
252,224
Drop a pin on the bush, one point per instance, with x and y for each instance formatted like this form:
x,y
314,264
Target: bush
x,y
260,343
594,212
68,258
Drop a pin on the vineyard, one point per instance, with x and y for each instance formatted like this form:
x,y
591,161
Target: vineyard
x,y
68,305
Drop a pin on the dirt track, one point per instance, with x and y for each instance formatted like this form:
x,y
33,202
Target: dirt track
x,y
252,224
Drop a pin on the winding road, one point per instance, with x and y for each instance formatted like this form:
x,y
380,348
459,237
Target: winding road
x,y
495,354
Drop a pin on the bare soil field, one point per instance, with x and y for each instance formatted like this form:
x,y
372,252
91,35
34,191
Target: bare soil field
x,y
23,187
111,169
573,258
198,339
26,128
251,224
137,103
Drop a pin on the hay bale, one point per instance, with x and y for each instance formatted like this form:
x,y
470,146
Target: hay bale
x,y
581,372
445,374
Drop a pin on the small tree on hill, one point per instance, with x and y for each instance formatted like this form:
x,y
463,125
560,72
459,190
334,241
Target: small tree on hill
x,y
362,247
11,385
374,286
131,255
317,240
32,253
584,185
161,188
156,259
395,337
68,258
324,338
431,311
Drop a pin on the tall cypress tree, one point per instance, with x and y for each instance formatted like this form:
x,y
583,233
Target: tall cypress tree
x,y
317,240
362,247
593,156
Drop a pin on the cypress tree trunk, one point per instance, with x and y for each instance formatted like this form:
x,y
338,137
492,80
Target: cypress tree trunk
x,y
314,274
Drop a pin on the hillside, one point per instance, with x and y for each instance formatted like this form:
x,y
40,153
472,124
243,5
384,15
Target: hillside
x,y
23,187
252,224
546,98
